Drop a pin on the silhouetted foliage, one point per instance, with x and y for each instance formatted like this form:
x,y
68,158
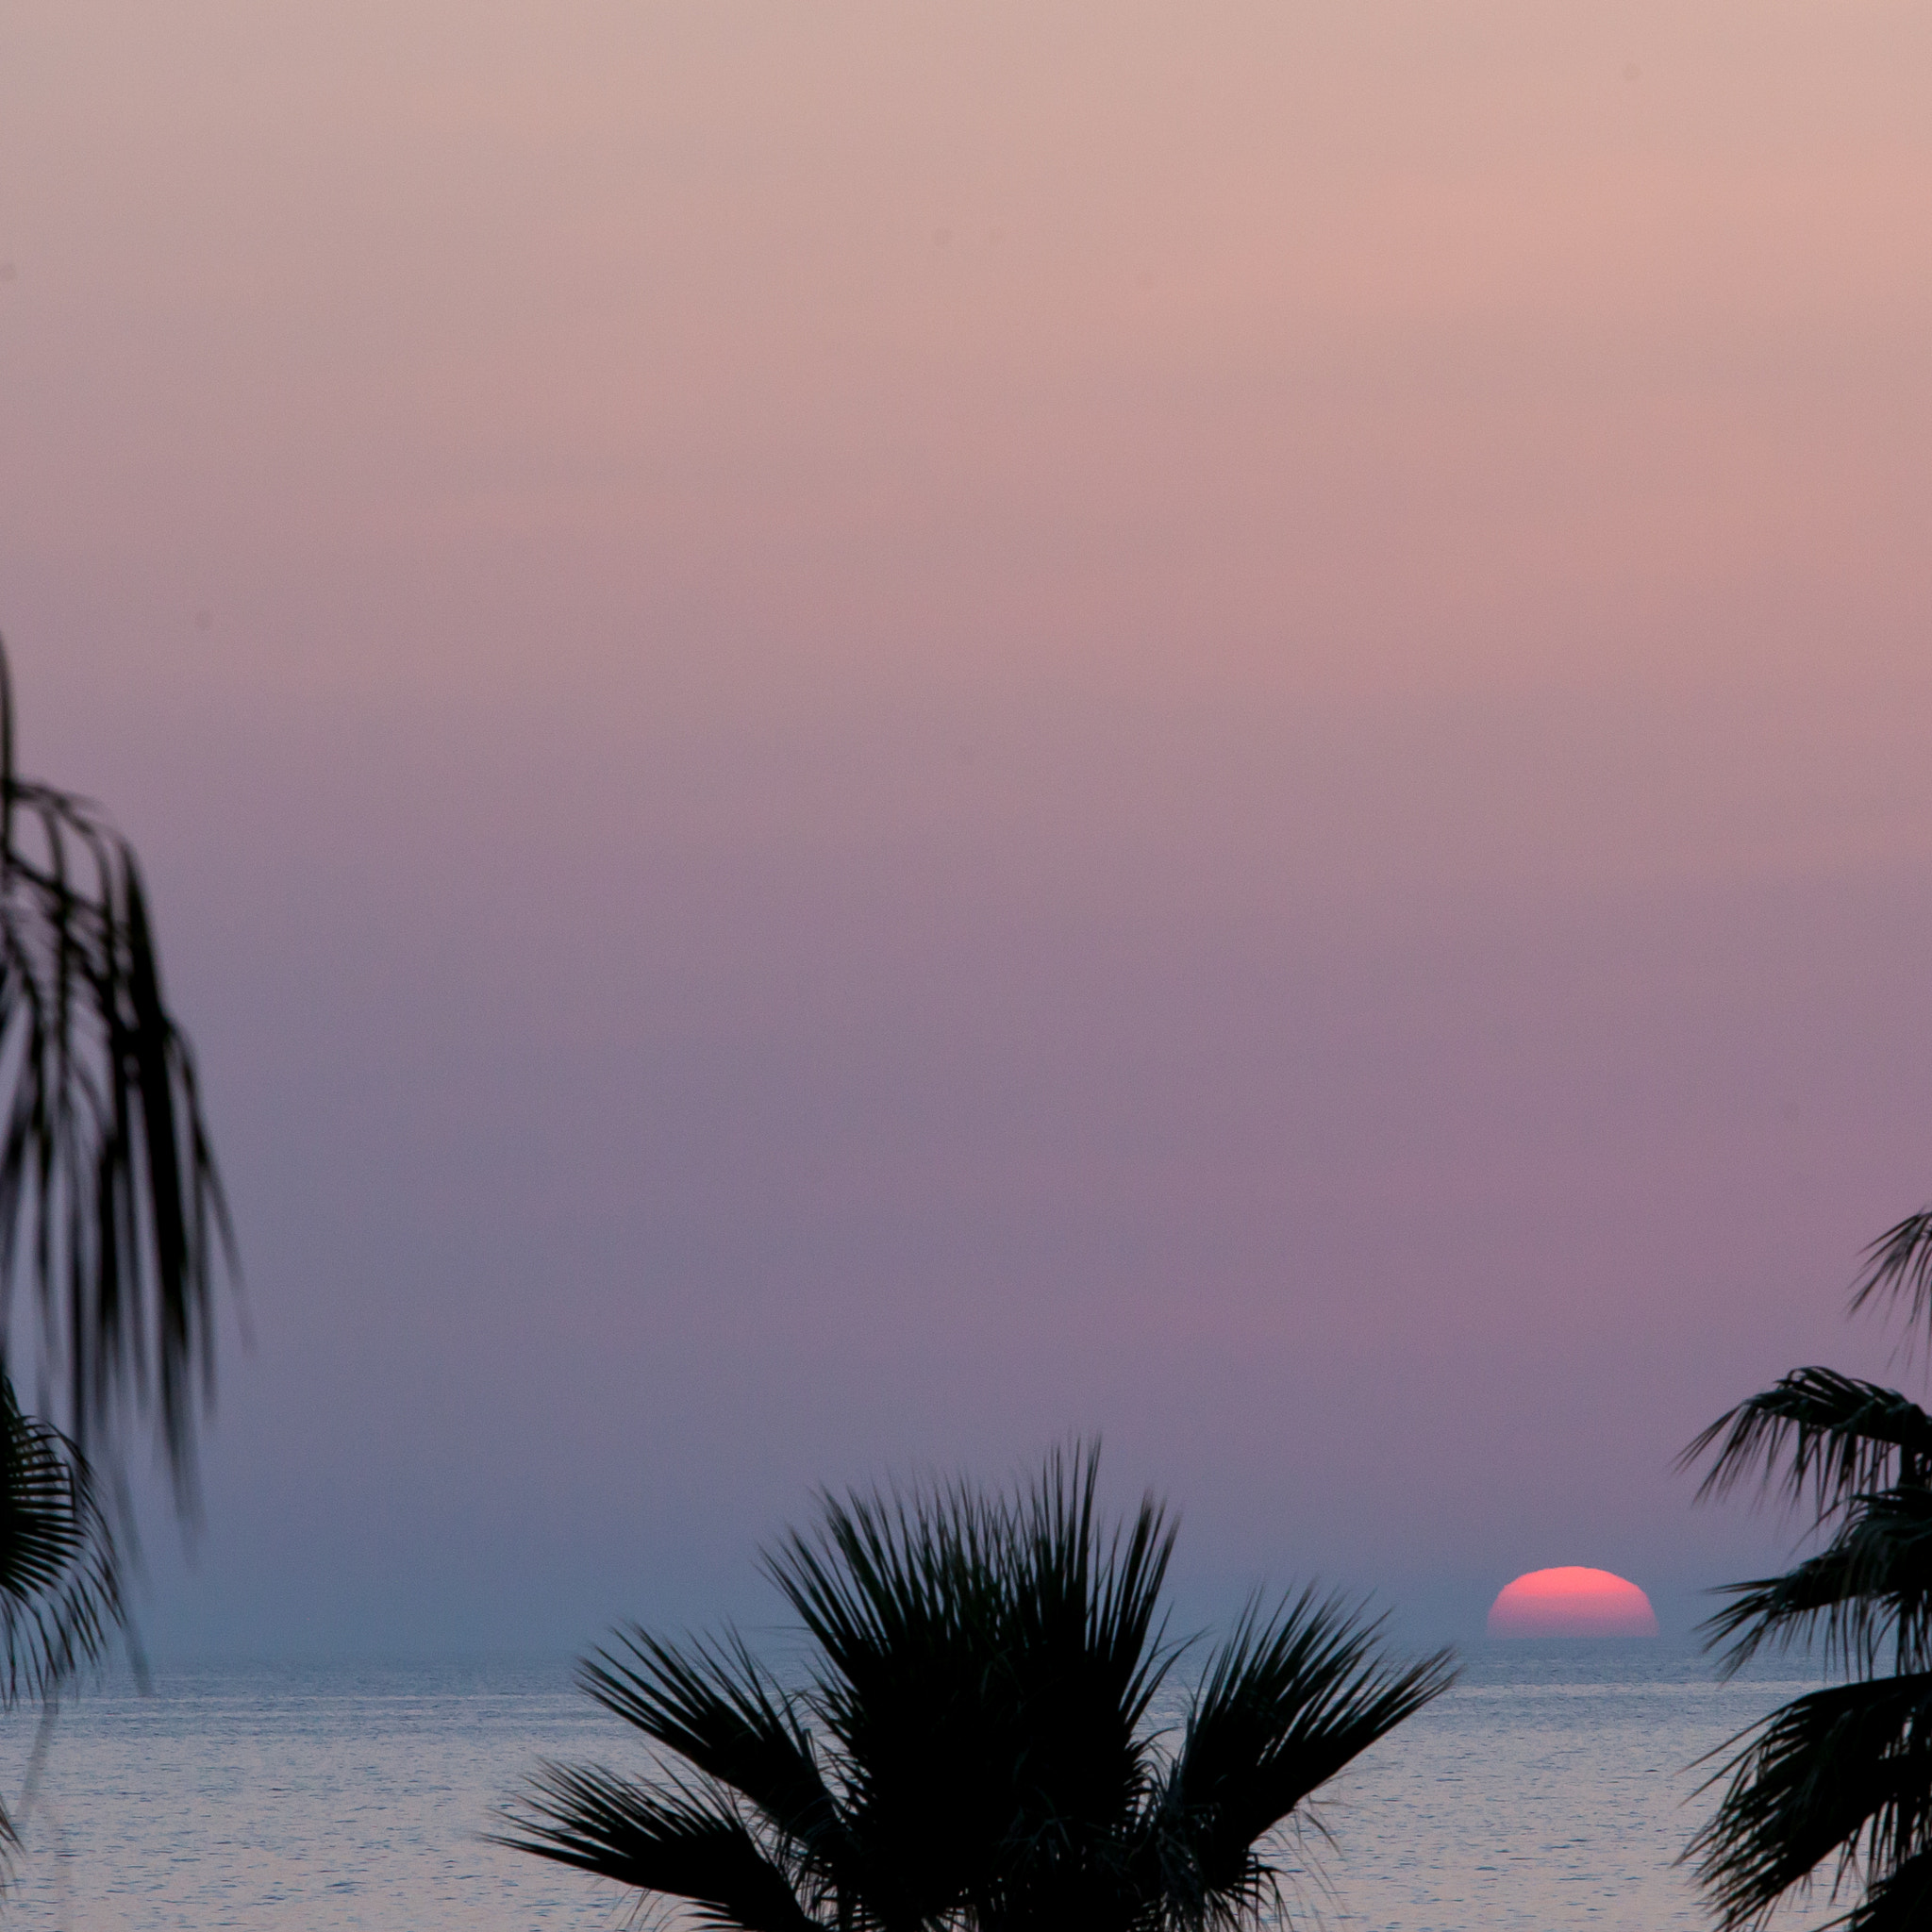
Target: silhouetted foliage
x,y
1837,1785
111,1212
112,1226
60,1587
973,1744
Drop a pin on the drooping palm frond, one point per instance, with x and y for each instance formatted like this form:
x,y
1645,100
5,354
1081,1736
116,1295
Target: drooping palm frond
x,y
1840,1779
671,1838
1900,1901
1283,1704
1871,1591
111,1209
1832,1434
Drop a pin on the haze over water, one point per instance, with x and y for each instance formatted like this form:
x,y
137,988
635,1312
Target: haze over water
x,y
1551,1790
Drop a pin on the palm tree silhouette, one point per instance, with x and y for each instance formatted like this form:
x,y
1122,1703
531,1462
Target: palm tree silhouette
x,y
1839,1781
973,1744
113,1227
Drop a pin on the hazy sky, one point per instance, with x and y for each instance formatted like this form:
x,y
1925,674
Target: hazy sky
x,y
868,734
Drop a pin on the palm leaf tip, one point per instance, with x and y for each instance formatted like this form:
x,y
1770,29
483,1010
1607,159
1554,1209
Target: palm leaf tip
x,y
717,1707
1283,1706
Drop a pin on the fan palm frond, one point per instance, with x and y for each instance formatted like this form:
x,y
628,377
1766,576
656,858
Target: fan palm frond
x,y
979,1756
904,1597
1839,1781
989,1661
1283,1704
717,1707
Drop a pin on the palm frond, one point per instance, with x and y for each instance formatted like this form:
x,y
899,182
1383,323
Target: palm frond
x,y
981,1756
1082,1592
1871,1590
717,1707
988,1662
1899,1264
1283,1704
1900,1901
886,1571
903,1595
1817,1429
1084,1654
679,1839
896,1576
111,1208
59,1575
1841,1777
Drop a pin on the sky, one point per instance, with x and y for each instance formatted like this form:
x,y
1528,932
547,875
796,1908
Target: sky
x,y
871,736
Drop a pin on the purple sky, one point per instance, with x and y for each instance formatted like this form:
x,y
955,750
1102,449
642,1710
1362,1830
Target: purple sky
x,y
868,737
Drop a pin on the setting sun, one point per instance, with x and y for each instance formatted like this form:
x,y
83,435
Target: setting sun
x,y
1572,1602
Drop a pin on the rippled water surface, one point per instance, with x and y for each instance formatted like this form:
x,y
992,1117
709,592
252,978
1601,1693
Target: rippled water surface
x,y
1554,1787
1551,1788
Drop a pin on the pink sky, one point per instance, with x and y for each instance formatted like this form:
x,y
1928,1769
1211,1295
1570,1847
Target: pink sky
x,y
868,734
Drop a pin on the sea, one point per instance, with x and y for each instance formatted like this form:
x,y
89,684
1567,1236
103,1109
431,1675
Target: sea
x,y
1554,1787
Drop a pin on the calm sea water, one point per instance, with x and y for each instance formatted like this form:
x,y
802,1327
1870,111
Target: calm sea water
x,y
1552,1788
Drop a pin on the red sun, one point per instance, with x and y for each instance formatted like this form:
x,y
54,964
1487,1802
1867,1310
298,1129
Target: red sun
x,y
1572,1603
